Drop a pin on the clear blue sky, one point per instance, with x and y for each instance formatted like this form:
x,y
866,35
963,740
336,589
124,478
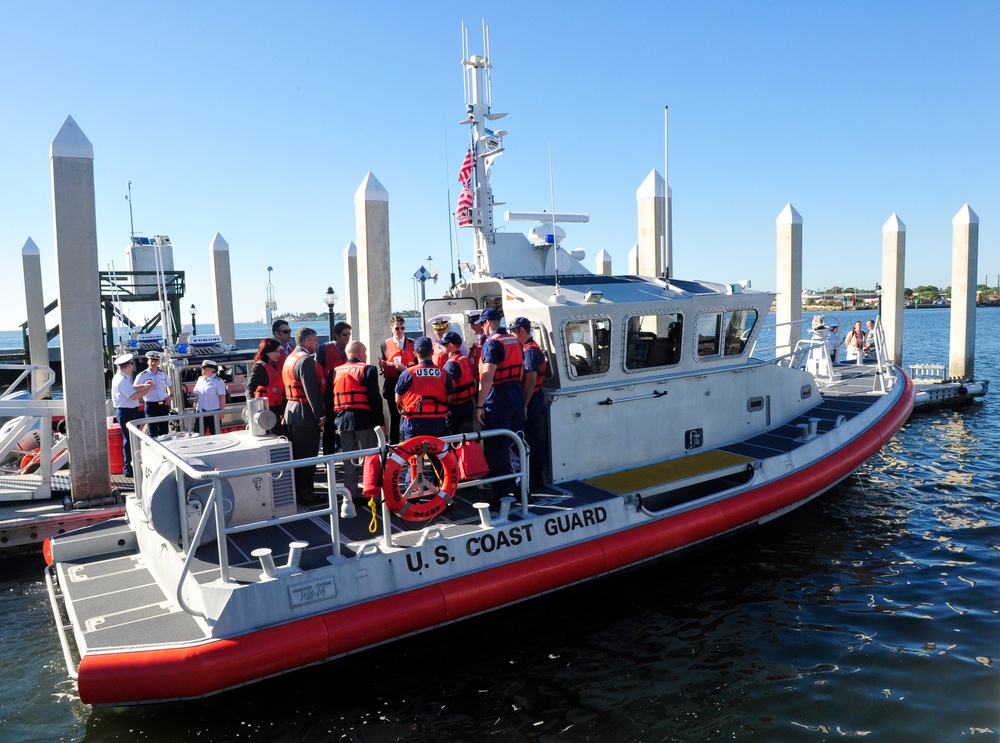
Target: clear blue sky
x,y
260,120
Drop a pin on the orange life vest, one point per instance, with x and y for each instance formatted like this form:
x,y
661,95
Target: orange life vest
x,y
294,391
476,354
427,396
274,393
465,388
440,357
392,350
508,370
540,378
348,391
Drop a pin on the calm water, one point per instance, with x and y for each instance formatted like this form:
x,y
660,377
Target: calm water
x,y
874,612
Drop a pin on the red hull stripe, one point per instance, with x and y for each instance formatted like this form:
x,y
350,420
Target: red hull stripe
x,y
119,678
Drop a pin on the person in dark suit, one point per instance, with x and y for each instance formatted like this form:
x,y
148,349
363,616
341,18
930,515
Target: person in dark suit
x,y
304,414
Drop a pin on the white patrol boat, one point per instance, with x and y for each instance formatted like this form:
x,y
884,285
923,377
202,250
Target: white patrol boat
x,y
665,426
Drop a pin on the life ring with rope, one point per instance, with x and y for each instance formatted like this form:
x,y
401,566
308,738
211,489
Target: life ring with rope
x,y
32,460
423,498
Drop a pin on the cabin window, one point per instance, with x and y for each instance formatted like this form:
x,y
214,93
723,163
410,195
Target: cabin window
x,y
588,346
709,324
739,326
653,340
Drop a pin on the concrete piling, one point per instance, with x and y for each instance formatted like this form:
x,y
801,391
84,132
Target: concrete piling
x,y
34,300
788,305
371,211
651,200
351,283
964,269
603,263
893,263
84,387
222,282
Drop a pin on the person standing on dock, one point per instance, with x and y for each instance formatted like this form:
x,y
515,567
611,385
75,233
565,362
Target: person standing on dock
x,y
501,402
304,414
397,355
422,394
210,394
125,397
358,405
157,400
535,366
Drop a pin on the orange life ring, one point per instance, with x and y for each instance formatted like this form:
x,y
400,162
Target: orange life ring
x,y
431,499
32,457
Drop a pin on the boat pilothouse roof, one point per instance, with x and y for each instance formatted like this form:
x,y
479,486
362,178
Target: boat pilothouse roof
x,y
663,430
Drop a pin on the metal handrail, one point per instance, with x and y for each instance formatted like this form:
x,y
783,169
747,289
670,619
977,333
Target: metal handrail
x,y
213,506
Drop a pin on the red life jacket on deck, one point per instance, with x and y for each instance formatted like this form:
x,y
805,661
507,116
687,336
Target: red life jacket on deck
x,y
540,378
508,370
427,396
294,391
392,350
348,391
328,358
274,393
465,388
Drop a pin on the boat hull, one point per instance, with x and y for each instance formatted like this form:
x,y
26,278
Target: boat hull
x,y
117,677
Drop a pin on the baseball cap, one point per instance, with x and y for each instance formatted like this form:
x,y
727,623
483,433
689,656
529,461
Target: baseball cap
x,y
452,337
489,314
521,322
423,343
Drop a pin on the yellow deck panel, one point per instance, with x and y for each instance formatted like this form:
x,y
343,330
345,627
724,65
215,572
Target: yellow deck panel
x,y
661,473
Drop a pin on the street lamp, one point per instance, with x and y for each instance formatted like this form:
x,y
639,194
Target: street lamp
x,y
331,299
194,325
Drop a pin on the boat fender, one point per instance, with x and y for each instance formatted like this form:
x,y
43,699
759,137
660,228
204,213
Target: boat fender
x,y
431,499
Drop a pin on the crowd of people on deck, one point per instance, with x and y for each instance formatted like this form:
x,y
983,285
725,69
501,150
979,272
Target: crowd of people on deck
x,y
328,396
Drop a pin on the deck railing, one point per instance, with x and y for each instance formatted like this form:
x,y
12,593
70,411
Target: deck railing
x,y
213,507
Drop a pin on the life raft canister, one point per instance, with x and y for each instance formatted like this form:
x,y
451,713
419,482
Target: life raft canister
x,y
438,497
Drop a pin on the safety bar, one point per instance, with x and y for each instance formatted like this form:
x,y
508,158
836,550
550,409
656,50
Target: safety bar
x,y
213,506
60,627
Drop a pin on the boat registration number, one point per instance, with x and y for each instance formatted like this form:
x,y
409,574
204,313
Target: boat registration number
x,y
306,593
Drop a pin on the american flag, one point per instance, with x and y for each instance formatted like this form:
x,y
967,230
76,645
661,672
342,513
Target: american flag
x,y
463,212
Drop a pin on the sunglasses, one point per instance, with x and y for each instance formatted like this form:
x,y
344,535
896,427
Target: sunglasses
x,y
287,331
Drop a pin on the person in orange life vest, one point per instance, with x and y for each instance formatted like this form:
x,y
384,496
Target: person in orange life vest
x,y
282,333
500,403
476,350
535,366
265,381
462,402
304,415
422,394
358,407
397,355
328,357
440,326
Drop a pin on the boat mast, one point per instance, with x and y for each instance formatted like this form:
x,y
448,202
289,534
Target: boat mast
x,y
485,144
